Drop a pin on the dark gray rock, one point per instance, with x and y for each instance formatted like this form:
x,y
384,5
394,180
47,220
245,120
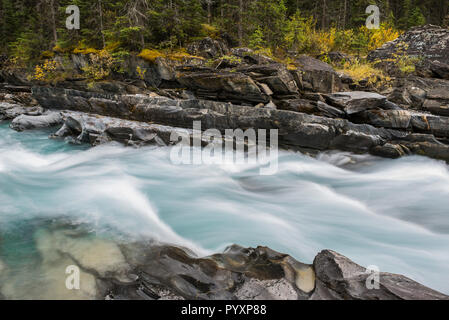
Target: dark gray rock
x,y
329,111
296,129
389,150
317,76
253,274
440,69
225,86
394,119
357,101
275,75
340,278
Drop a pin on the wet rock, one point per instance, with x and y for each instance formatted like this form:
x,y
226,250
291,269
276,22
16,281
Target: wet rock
x,y
296,130
389,150
10,111
254,274
340,278
95,130
26,122
238,273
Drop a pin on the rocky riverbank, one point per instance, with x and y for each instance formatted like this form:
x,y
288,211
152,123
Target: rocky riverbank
x,y
146,270
314,108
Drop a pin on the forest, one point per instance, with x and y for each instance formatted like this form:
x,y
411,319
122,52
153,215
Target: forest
x,y
32,30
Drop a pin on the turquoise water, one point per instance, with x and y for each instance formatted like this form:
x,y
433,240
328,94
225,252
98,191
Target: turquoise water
x,y
389,213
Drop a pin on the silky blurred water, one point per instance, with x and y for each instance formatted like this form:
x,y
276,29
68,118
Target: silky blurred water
x,y
390,213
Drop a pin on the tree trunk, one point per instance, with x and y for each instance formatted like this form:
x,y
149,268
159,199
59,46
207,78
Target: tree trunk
x,y
240,26
209,11
100,9
53,21
323,21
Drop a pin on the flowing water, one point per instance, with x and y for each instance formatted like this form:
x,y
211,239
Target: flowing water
x,y
393,214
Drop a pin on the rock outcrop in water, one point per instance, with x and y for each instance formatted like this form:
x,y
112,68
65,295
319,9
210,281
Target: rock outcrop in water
x,y
257,274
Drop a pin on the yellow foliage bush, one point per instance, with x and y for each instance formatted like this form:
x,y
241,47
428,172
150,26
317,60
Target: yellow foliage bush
x,y
141,72
100,66
381,36
359,70
46,71
209,30
150,55
81,49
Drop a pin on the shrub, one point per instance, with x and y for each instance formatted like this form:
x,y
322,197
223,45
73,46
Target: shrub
x,y
360,70
46,71
100,66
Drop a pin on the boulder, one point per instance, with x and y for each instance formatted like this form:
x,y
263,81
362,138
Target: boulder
x,y
27,122
276,76
340,278
358,101
440,69
317,76
9,111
